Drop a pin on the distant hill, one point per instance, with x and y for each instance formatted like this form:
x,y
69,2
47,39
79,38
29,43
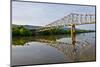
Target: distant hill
x,y
68,28
27,26
30,27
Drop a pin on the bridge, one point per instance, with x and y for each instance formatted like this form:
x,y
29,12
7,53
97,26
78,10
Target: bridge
x,y
72,20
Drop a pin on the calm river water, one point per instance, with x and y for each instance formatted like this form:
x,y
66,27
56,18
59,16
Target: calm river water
x,y
53,49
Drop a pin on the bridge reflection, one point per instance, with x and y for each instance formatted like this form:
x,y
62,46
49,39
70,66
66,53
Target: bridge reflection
x,y
69,49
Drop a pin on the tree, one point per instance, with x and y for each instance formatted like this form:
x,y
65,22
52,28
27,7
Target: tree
x,y
21,31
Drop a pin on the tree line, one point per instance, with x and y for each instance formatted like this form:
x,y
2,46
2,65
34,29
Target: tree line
x,y
22,31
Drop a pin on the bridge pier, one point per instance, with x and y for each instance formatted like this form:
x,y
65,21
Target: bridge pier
x,y
73,34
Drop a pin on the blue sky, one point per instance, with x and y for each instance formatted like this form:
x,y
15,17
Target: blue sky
x,y
40,14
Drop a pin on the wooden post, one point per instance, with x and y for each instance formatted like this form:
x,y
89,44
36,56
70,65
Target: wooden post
x,y
73,35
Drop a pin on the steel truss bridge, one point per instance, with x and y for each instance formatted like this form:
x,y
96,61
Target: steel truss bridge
x,y
72,20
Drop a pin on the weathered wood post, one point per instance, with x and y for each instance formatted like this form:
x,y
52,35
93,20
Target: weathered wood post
x,y
73,34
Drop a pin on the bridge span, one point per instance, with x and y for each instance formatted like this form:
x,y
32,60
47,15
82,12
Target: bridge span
x,y
72,20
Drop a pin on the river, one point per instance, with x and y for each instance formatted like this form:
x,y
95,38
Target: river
x,y
53,49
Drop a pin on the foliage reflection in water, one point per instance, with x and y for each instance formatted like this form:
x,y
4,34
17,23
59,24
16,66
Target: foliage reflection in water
x,y
83,49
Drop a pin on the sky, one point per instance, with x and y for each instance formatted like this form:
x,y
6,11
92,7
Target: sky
x,y
40,14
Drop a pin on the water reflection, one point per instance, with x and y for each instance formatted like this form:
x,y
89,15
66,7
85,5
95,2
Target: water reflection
x,y
72,48
45,39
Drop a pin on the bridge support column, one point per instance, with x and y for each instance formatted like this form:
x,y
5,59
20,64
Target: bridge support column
x,y
73,34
